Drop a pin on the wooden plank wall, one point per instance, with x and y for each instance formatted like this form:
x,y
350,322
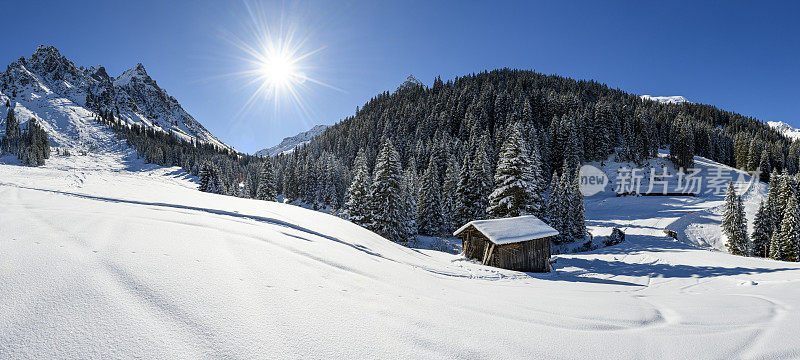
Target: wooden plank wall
x,y
529,255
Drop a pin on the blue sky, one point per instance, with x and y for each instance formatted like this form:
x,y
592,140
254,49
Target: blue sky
x,y
739,56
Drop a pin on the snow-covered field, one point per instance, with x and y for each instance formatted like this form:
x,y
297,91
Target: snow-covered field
x,y
102,256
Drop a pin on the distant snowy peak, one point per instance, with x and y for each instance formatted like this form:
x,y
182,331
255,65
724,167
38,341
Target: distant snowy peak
x,y
291,143
46,84
785,129
411,81
666,99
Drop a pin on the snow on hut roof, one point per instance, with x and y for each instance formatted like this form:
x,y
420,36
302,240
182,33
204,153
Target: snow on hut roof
x,y
511,230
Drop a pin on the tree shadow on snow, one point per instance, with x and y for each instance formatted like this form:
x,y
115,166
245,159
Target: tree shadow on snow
x,y
263,219
655,269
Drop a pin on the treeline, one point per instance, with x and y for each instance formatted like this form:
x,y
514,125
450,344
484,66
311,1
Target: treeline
x,y
425,160
230,173
449,140
29,144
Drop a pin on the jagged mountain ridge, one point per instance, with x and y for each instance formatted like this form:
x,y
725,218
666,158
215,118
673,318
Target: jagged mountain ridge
x,y
785,129
289,144
52,88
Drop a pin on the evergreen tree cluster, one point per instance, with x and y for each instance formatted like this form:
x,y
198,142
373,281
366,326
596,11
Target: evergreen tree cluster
x,y
428,159
734,223
776,227
565,207
30,144
468,132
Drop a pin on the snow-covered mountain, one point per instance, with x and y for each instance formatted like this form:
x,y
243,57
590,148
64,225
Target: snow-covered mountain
x,y
666,99
292,142
785,129
50,87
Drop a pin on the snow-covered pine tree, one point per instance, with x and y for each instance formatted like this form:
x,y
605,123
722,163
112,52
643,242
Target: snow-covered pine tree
x,y
246,189
577,214
733,223
209,181
555,205
12,134
449,199
566,230
357,204
763,166
266,183
762,231
429,218
753,155
773,210
409,202
515,183
681,149
386,192
481,179
465,193
536,204
729,212
786,241
744,245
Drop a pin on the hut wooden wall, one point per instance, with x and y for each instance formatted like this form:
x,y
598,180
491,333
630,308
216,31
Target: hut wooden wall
x,y
475,245
531,255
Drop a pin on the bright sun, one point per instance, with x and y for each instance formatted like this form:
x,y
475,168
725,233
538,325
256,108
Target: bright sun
x,y
278,70
278,61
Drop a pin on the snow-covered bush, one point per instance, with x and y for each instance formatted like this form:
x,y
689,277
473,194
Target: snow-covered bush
x,y
616,237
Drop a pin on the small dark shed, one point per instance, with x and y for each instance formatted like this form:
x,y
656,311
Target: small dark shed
x,y
519,243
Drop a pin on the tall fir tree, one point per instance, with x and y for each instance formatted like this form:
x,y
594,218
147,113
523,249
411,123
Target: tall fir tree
x,y
386,192
357,204
555,214
785,243
577,211
773,210
465,192
266,183
762,231
733,223
429,218
409,198
516,192
209,180
449,195
537,202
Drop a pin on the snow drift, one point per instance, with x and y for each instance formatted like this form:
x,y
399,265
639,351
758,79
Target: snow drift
x,y
106,257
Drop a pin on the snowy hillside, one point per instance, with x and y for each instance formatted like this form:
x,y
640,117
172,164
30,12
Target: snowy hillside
x,y
48,86
292,142
666,99
106,257
785,129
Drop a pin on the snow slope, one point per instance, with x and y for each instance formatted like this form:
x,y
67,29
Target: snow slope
x,y
666,99
292,142
105,257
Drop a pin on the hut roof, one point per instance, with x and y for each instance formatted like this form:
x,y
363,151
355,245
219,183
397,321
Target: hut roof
x,y
511,230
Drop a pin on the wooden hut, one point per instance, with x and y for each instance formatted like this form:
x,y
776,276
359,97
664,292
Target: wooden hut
x,y
519,243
